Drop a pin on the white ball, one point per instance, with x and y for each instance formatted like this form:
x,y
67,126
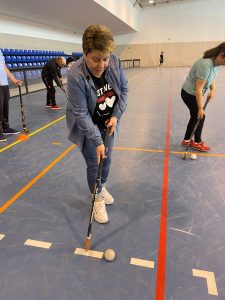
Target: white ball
x,y
109,254
193,156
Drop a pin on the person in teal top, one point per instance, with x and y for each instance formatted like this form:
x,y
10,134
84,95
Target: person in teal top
x,y
201,79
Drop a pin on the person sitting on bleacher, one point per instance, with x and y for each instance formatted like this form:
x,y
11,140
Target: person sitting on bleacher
x,y
52,71
4,99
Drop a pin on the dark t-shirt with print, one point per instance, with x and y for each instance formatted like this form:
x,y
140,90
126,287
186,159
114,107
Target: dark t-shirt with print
x,y
106,100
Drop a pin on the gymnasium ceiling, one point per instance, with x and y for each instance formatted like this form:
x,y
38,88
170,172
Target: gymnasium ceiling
x,y
148,3
73,15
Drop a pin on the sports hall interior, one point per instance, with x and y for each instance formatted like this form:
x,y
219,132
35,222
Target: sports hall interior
x,y
167,224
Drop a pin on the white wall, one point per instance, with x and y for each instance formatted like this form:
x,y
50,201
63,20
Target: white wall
x,y
197,20
17,26
124,10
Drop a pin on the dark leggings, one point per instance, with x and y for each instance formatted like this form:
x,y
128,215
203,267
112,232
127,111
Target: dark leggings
x,y
4,106
50,90
191,103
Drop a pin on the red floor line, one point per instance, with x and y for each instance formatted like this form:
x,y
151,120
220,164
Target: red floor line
x,y
161,270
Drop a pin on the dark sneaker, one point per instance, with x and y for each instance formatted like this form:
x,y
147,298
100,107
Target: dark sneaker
x,y
200,146
184,143
2,137
56,107
9,130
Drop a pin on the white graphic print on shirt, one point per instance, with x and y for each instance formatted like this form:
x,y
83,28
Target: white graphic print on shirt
x,y
106,99
105,103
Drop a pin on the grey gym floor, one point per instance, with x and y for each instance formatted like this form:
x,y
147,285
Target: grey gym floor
x,y
169,213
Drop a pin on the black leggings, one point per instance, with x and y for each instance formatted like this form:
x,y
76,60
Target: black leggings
x,y
50,90
191,103
4,106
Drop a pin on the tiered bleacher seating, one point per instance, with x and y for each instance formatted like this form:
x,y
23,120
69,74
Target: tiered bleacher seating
x,y
20,58
77,54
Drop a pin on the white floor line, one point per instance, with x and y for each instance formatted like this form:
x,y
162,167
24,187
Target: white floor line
x,y
39,244
142,263
2,236
90,253
210,280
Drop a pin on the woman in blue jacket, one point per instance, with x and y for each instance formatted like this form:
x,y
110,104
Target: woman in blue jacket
x,y
97,98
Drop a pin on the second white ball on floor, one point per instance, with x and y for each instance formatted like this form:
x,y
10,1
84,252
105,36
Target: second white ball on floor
x,y
193,156
109,255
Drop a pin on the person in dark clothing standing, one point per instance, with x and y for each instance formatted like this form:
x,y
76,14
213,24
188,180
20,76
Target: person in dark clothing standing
x,y
161,59
52,71
4,99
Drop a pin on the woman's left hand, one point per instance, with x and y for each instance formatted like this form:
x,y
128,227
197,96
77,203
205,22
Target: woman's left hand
x,y
112,125
211,94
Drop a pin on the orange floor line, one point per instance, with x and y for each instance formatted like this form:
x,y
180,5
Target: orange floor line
x,y
35,179
139,149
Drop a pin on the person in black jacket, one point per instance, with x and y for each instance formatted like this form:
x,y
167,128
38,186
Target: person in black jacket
x,y
52,71
161,59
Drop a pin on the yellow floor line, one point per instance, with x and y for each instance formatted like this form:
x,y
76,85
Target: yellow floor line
x,y
35,179
57,143
199,154
39,244
171,152
139,149
32,133
46,126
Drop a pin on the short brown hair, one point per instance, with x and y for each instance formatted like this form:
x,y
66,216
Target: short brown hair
x,y
97,37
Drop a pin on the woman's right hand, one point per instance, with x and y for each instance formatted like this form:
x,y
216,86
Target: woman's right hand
x,y
200,113
100,151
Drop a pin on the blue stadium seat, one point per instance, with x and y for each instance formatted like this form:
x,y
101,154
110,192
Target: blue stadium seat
x,y
14,65
20,65
18,58
13,58
12,51
25,65
6,51
24,59
9,66
18,75
30,64
38,64
34,64
8,59
38,73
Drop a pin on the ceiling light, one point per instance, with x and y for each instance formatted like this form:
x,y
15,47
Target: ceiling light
x,y
151,1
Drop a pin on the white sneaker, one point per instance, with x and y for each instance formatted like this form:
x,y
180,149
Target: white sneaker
x,y
100,213
108,198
